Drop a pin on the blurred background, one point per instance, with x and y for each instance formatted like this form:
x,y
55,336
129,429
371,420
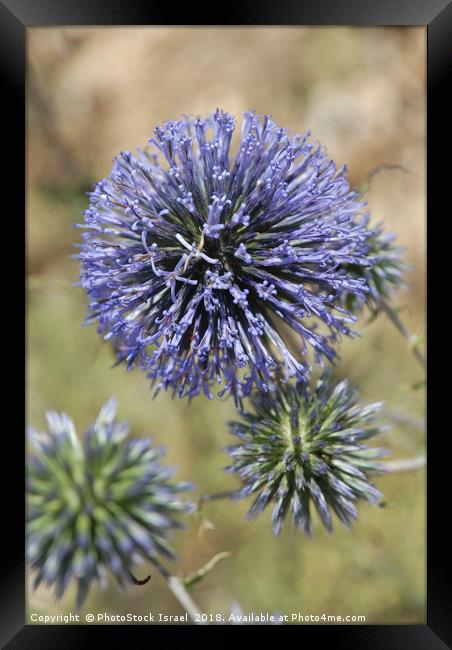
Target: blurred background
x,y
95,91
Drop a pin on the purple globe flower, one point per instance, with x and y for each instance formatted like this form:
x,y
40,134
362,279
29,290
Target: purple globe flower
x,y
203,266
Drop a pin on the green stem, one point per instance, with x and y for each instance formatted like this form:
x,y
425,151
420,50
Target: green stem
x,y
227,494
395,320
404,420
406,464
178,589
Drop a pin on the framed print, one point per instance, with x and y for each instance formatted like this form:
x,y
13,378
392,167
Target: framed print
x,y
226,398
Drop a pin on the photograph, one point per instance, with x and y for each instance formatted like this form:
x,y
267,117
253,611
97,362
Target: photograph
x,y
226,325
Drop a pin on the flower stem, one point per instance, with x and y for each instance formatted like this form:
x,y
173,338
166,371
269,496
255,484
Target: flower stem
x,y
176,585
404,419
216,495
394,318
406,464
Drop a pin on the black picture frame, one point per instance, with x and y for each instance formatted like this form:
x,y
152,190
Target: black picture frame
x,y
15,17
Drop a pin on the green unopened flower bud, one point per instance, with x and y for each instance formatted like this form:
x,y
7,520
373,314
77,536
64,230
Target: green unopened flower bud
x,y
100,504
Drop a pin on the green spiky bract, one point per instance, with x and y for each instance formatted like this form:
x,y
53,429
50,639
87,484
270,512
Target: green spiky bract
x,y
304,446
383,275
97,505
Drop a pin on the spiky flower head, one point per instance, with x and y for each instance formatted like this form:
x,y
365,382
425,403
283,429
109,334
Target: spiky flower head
x,y
97,505
383,275
304,447
199,263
